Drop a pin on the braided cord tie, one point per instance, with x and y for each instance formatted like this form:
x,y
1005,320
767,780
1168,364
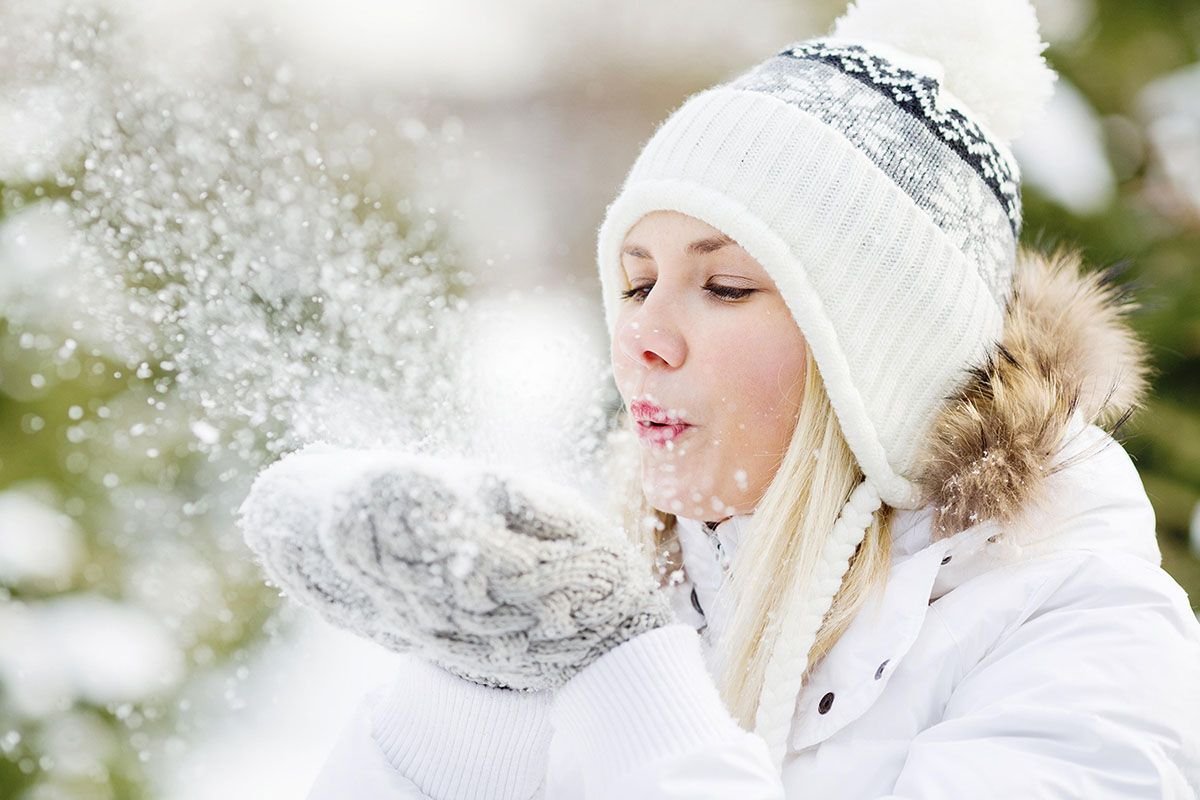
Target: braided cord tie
x,y
802,618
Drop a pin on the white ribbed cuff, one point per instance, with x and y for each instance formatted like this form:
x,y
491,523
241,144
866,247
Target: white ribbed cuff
x,y
458,740
650,697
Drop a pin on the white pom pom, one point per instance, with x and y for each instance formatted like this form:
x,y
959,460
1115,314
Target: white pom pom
x,y
990,51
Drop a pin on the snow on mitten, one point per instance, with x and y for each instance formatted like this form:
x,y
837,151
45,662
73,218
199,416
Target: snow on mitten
x,y
499,578
287,503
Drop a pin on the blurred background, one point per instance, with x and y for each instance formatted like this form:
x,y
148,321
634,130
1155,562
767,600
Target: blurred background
x,y
227,228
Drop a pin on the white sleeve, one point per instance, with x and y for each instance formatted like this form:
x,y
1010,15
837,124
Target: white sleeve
x,y
430,735
648,723
355,767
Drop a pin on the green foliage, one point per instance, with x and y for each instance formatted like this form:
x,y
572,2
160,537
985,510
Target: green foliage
x,y
1127,46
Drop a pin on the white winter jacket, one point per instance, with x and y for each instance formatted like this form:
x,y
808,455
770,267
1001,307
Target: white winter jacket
x,y
1064,668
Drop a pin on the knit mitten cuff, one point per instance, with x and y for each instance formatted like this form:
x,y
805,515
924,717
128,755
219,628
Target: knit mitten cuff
x,y
457,740
648,698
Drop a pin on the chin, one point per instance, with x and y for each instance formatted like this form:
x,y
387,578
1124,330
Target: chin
x,y
659,502
672,494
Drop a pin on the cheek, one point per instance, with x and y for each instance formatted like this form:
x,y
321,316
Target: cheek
x,y
765,376
756,384
764,382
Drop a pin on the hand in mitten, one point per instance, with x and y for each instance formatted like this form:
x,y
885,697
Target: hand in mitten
x,y
287,504
503,580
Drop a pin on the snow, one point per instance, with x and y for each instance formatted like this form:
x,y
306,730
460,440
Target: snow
x,y
533,374
79,745
463,561
39,128
32,246
262,286
205,432
83,647
40,547
1172,114
1062,153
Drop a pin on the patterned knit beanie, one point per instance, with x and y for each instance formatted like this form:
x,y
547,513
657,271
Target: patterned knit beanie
x,y
869,173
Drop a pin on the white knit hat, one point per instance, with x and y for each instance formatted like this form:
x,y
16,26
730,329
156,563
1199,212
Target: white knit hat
x,y
869,172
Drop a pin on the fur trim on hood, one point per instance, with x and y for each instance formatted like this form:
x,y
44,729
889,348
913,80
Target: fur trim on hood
x,y
1067,348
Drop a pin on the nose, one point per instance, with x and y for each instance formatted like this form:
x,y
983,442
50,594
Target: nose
x,y
648,338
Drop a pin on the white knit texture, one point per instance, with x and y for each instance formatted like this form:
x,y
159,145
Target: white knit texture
x,y
802,618
457,740
649,698
892,310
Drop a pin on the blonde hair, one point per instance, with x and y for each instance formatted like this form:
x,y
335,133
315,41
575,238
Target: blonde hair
x,y
791,524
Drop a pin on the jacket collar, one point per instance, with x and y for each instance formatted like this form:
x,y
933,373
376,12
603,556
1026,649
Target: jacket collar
x,y
707,554
1100,505
722,537
1097,503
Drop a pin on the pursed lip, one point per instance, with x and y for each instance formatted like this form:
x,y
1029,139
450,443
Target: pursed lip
x,y
660,435
645,411
655,426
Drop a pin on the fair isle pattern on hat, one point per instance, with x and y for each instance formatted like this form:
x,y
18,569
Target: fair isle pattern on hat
x,y
920,96
941,159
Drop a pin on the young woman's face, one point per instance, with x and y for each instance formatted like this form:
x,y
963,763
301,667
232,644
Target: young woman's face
x,y
703,339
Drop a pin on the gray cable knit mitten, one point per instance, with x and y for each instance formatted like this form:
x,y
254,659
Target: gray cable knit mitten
x,y
501,579
287,504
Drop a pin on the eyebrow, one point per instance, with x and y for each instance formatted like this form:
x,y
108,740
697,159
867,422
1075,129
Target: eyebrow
x,y
698,247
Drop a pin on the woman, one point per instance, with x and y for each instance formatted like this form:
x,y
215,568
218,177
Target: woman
x,y
896,554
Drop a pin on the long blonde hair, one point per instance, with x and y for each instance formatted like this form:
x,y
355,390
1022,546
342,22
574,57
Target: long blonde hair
x,y
791,522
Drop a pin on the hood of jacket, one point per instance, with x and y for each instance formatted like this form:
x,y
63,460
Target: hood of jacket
x,y
1067,359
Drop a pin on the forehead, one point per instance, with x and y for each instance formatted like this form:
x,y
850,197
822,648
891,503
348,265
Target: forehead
x,y
664,237
669,234
667,225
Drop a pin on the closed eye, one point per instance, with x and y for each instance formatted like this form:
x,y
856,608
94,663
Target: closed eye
x,y
726,293
729,292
